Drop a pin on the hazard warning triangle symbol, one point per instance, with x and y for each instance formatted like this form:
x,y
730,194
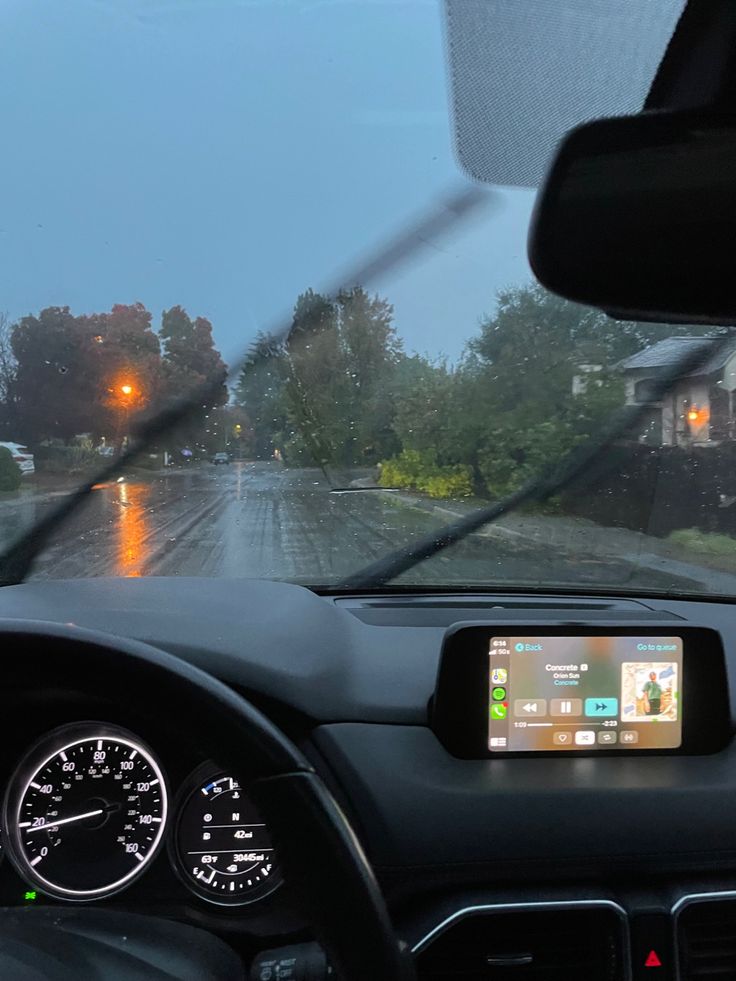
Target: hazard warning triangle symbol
x,y
652,959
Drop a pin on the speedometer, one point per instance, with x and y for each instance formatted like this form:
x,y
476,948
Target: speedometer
x,y
85,811
223,850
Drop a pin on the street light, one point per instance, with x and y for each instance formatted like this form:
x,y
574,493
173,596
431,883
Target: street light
x,y
125,402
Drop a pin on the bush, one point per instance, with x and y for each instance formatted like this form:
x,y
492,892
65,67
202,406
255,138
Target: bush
x,y
456,483
406,469
515,453
66,459
419,470
10,475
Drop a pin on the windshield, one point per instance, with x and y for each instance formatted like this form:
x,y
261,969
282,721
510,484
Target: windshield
x,y
184,178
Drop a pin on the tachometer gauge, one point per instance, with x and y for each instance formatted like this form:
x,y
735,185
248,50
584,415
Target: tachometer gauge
x,y
85,811
223,850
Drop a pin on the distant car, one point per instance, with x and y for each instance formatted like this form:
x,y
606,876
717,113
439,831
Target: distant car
x,y
22,456
220,458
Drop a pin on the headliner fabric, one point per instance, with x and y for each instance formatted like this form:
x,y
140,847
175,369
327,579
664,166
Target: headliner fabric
x,y
523,72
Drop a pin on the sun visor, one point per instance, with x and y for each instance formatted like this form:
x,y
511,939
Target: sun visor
x,y
524,72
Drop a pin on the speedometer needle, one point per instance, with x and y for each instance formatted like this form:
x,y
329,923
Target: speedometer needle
x,y
55,824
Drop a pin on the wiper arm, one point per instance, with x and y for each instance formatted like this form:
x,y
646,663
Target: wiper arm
x,y
536,490
17,561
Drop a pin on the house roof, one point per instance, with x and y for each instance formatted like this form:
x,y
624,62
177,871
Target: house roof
x,y
665,353
717,359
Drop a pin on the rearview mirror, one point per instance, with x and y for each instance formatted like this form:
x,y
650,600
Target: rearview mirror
x,y
637,216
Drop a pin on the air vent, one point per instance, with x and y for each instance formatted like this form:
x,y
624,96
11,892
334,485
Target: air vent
x,y
580,944
442,611
707,941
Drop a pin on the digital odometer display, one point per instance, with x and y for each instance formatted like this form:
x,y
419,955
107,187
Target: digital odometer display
x,y
223,849
584,693
85,812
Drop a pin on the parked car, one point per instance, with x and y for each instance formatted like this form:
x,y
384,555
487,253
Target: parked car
x,y
220,458
22,456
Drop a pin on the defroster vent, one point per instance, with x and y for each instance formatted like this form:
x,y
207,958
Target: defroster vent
x,y
581,943
706,933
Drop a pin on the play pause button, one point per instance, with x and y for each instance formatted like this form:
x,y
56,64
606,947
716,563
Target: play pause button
x,y
566,706
525,708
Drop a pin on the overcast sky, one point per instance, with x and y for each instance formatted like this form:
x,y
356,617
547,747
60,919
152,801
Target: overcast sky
x,y
226,155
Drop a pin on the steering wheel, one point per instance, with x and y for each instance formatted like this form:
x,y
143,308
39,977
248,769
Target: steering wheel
x,y
318,850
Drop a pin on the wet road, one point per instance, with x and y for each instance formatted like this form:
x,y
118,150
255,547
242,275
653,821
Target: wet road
x,y
263,520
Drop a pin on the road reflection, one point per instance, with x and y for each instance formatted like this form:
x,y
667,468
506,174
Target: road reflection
x,y
132,529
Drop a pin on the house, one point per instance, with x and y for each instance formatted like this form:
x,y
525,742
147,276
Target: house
x,y
700,407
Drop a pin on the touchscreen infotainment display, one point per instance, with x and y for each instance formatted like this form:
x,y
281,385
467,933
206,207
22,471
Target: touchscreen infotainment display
x,y
584,693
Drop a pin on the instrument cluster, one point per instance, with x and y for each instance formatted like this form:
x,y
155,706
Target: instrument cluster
x,y
89,807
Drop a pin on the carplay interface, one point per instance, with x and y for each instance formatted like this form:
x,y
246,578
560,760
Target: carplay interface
x,y
584,693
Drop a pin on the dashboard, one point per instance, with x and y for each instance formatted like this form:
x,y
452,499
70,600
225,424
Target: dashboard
x,y
88,806
103,807
627,847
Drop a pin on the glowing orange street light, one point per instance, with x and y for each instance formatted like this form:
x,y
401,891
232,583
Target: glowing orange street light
x,y
126,397
693,415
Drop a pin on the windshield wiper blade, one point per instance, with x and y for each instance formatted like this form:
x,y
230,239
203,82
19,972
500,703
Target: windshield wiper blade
x,y
538,489
364,490
450,211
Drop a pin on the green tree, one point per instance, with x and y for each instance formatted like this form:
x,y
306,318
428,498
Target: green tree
x,y
512,453
129,359
189,354
68,375
508,410
526,357
424,405
260,393
190,360
8,373
58,387
372,352
325,396
132,348
532,346
70,371
314,375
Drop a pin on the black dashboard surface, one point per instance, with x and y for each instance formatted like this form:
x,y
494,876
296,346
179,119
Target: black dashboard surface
x,y
318,655
351,678
272,639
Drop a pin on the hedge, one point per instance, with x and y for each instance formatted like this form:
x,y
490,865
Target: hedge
x,y
10,475
419,470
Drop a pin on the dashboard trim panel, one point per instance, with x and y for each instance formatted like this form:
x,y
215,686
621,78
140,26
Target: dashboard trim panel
x,y
460,914
700,897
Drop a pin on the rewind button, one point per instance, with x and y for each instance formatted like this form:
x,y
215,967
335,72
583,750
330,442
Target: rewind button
x,y
525,708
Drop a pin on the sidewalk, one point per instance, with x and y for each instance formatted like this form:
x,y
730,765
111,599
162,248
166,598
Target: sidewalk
x,y
581,536
44,487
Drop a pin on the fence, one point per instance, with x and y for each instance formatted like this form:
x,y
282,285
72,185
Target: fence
x,y
659,489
